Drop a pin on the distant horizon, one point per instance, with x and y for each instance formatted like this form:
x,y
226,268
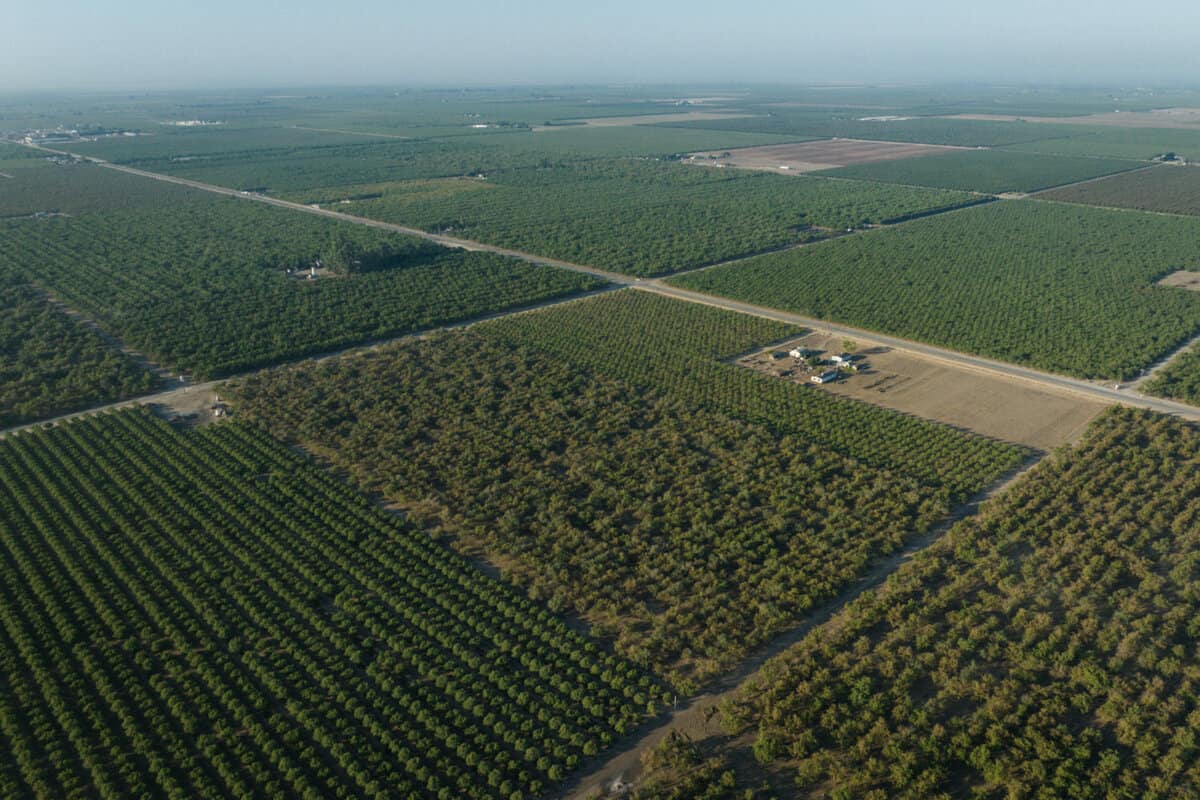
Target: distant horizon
x,y
76,46
731,85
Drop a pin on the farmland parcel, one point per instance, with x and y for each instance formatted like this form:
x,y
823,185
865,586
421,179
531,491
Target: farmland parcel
x,y
203,283
1167,188
992,171
1042,648
1058,287
685,507
637,217
205,614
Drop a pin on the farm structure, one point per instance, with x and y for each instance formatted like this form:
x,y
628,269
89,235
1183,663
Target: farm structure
x,y
925,387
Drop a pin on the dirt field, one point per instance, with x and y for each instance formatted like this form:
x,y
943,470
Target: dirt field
x,y
645,119
1003,409
812,156
1161,118
1183,279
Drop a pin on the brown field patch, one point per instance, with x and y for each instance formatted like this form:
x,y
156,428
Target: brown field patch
x,y
1159,118
1182,279
645,119
799,157
1007,409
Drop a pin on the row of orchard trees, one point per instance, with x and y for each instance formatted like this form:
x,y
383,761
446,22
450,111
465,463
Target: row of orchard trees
x,y
202,287
680,347
646,218
1045,648
686,534
1058,287
206,614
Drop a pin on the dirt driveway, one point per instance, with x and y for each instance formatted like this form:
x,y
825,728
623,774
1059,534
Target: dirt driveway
x,y
1013,411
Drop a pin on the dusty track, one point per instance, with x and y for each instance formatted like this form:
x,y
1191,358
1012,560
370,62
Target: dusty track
x,y
182,396
693,714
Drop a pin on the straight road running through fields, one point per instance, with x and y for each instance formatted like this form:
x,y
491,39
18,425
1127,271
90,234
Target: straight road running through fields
x,y
1095,391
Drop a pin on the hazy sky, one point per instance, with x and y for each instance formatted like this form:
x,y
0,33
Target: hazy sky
x,y
170,43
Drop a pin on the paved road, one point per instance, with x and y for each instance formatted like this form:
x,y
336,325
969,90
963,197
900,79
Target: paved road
x,y
446,241
1104,393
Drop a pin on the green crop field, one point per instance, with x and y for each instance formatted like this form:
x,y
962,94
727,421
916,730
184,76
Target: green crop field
x,y
1045,648
39,187
1058,287
1137,143
297,168
202,285
289,165
666,519
681,349
206,614
637,217
182,145
991,171
1167,188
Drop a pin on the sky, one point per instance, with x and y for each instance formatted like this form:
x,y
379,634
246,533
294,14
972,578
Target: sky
x,y
161,44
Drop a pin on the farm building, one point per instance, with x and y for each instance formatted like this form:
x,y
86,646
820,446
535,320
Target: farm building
x,y
829,376
843,358
800,352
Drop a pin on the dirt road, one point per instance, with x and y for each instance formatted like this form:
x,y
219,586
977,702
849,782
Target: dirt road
x,y
185,396
694,715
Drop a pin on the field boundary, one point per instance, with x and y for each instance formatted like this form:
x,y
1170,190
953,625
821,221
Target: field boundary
x,y
350,133
165,396
1141,166
1047,380
619,767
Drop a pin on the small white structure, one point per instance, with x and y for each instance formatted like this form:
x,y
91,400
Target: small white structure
x,y
842,359
826,377
798,352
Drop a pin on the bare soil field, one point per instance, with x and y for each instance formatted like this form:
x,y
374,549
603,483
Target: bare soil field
x,y
1003,409
1159,118
645,119
1182,279
802,157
